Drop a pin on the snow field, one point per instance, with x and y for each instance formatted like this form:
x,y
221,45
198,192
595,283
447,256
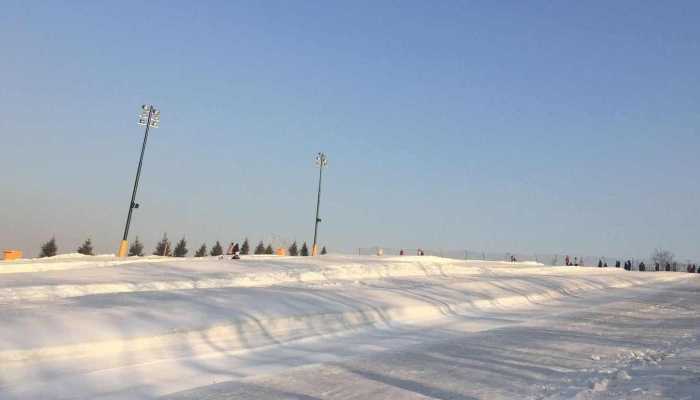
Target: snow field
x,y
73,330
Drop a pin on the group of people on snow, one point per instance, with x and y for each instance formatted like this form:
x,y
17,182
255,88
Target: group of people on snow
x,y
574,263
668,267
419,252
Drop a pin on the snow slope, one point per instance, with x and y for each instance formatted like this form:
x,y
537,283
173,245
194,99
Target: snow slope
x,y
297,327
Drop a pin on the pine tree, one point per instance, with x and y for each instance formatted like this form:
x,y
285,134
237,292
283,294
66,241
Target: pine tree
x,y
293,251
86,248
245,248
217,250
323,251
136,248
49,248
268,249
180,248
304,250
202,251
163,247
260,248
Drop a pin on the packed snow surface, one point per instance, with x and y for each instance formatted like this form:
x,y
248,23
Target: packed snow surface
x,y
343,327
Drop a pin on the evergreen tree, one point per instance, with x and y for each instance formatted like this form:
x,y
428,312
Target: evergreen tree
x,y
217,250
86,248
245,249
293,251
304,250
202,251
180,248
136,248
260,248
236,249
268,249
163,247
323,251
49,248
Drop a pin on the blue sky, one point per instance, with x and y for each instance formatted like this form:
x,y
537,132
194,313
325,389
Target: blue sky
x,y
505,126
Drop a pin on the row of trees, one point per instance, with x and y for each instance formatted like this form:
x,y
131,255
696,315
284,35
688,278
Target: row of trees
x,y
49,249
164,248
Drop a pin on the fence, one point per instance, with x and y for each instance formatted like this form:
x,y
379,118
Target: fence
x,y
543,258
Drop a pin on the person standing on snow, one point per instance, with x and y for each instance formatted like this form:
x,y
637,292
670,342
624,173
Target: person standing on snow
x,y
567,261
236,252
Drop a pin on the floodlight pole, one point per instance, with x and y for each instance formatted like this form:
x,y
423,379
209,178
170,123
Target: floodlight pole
x,y
321,161
124,245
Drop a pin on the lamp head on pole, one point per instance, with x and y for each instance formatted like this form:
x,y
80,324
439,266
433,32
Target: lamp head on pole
x,y
149,113
321,160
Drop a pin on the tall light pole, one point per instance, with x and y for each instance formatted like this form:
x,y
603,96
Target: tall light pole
x,y
150,118
321,161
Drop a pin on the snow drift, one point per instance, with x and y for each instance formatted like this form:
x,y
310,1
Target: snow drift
x,y
118,315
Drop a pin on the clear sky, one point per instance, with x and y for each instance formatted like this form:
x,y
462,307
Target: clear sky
x,y
520,126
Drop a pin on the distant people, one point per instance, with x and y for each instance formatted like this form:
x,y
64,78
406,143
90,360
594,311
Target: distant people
x,y
401,252
628,265
600,263
668,267
657,267
617,264
567,261
575,261
642,267
420,252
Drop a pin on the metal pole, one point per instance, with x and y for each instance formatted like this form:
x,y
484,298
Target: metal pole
x,y
314,249
138,175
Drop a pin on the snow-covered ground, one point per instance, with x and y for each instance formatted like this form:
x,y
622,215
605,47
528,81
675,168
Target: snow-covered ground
x,y
344,327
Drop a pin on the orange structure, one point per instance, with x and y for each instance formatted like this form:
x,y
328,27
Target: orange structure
x,y
12,255
281,251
